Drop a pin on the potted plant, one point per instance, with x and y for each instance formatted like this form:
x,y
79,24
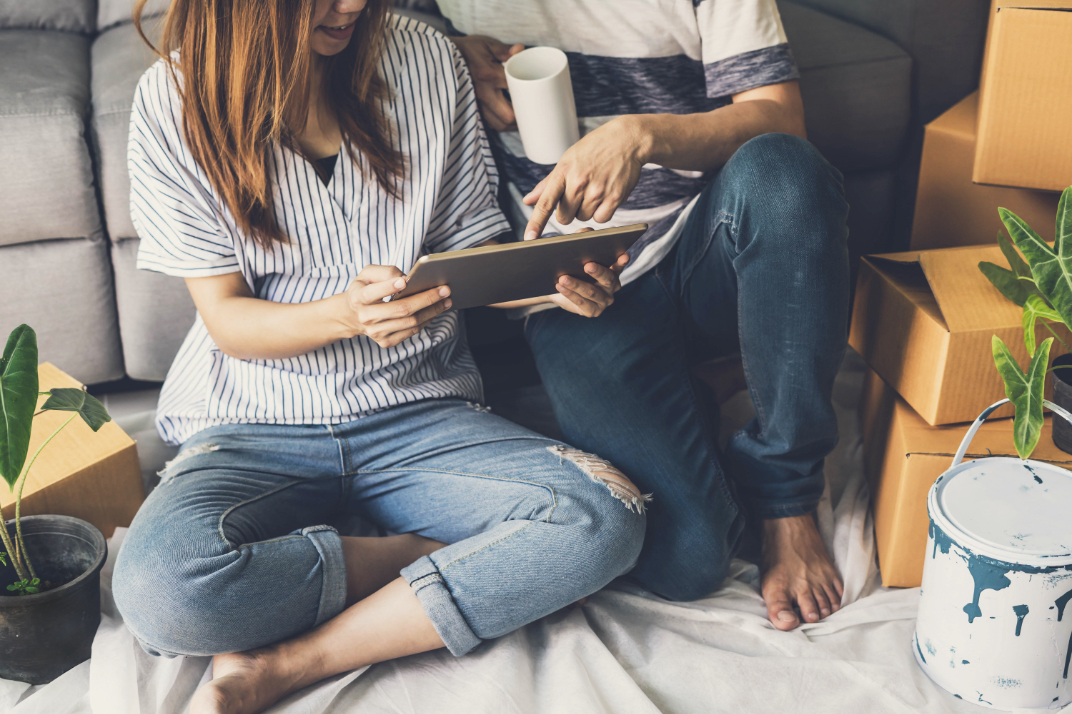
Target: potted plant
x,y
49,565
1042,286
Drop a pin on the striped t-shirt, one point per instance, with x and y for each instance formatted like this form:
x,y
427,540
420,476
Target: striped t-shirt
x,y
636,57
448,202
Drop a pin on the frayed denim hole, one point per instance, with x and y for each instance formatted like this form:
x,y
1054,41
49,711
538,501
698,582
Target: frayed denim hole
x,y
604,473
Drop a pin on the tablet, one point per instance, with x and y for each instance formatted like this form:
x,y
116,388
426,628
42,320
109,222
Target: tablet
x,y
514,271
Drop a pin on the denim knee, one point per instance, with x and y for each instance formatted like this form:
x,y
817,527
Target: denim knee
x,y
784,187
204,597
606,536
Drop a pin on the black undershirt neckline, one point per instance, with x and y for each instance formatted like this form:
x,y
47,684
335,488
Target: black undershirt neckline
x,y
327,164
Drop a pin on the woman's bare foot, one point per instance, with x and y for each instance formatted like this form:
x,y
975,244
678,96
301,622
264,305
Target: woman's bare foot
x,y
245,683
242,683
796,569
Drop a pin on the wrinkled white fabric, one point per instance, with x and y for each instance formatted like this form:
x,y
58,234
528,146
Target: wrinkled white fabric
x,y
623,652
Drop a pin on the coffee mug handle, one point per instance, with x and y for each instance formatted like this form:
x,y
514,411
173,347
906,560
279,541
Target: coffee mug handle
x,y
990,410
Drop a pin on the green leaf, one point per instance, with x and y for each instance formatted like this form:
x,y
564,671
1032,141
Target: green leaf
x,y
1017,263
1005,281
1034,309
69,399
3,559
1024,391
1064,220
1052,271
18,399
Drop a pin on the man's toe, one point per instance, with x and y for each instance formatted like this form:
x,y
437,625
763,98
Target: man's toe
x,y
808,609
780,612
821,600
834,597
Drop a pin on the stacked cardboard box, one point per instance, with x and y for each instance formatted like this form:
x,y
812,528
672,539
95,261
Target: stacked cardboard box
x,y
903,456
1006,145
92,476
924,320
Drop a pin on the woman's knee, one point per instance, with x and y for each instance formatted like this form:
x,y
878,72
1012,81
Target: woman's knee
x,y
168,587
609,521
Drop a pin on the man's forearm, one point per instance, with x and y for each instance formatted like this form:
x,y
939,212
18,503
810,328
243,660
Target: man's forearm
x,y
702,142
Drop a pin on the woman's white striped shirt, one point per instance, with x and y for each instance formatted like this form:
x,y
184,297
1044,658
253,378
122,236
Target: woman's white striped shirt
x,y
448,203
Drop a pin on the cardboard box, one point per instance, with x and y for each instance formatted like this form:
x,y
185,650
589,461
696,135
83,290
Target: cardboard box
x,y
924,321
950,209
903,456
92,476
1025,102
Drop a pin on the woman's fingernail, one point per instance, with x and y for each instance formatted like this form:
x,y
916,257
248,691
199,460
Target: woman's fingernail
x,y
530,235
825,612
590,268
444,291
786,616
448,303
400,283
567,281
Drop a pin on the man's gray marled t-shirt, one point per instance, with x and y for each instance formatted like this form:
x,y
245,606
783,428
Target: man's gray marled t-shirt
x,y
637,57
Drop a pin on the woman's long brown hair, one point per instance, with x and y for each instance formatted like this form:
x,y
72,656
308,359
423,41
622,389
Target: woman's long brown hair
x,y
245,70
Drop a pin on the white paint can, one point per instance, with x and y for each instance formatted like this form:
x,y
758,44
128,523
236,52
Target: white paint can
x,y
995,617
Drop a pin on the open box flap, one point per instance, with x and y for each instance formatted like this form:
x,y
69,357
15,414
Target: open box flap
x,y
964,297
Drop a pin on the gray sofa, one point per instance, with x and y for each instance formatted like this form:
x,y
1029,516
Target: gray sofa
x,y
872,72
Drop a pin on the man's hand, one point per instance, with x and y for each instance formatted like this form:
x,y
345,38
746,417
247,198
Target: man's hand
x,y
389,323
593,177
590,299
485,57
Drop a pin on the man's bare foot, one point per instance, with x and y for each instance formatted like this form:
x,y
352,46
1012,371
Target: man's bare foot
x,y
796,569
245,683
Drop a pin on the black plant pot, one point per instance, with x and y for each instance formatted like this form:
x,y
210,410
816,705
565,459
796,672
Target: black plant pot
x,y
1062,397
44,635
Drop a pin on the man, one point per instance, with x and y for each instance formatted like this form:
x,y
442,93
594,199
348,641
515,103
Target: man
x,y
692,122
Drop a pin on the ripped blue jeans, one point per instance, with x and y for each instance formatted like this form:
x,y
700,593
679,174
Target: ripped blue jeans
x,y
235,549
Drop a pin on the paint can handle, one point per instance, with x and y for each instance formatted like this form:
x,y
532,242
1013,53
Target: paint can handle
x,y
990,410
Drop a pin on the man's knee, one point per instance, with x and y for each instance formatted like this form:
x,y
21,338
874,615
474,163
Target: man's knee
x,y
787,197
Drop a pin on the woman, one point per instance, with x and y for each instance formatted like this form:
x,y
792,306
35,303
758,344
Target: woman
x,y
300,397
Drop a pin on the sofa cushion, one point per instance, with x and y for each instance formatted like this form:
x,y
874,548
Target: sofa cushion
x,y
68,15
119,58
63,289
113,12
47,176
856,87
155,313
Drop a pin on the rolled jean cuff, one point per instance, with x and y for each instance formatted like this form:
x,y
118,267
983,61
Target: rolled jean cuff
x,y
333,571
428,584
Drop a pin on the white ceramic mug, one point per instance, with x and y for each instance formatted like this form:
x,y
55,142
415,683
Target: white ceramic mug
x,y
542,95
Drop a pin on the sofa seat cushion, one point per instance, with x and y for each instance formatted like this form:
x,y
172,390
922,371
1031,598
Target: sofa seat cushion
x,y
66,15
63,289
856,87
47,176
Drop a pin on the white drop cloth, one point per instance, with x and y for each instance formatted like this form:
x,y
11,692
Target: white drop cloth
x,y
624,651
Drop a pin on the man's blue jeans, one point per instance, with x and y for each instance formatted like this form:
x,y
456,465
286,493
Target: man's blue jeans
x,y
235,550
762,267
